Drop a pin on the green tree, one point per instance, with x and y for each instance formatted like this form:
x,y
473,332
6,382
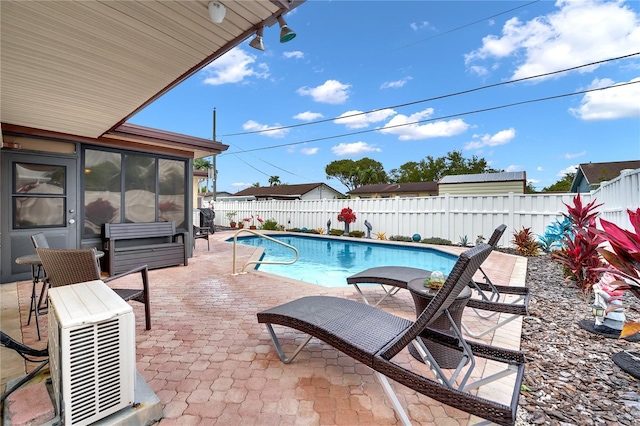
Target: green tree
x,y
562,185
432,169
274,181
530,189
201,164
354,174
256,185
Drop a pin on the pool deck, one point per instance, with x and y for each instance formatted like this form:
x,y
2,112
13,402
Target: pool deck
x,y
210,362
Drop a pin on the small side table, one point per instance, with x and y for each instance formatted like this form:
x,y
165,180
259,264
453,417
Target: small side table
x,y
444,355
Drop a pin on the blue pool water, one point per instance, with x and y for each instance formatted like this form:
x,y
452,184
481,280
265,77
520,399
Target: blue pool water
x,y
328,262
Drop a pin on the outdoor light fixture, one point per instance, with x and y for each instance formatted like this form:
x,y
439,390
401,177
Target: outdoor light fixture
x,y
286,33
257,43
597,310
217,11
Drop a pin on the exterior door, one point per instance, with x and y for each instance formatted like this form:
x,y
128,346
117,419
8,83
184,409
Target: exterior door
x,y
39,194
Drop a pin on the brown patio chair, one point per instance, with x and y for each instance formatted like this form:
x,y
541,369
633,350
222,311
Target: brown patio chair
x,y
374,337
64,267
200,234
487,304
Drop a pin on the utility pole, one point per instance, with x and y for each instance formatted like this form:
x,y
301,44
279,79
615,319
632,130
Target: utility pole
x,y
215,170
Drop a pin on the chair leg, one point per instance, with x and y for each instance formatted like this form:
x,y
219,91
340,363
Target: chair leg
x,y
394,399
281,354
387,293
146,298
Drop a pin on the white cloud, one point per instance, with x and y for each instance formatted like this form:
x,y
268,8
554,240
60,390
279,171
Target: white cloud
x,y
570,169
395,84
354,148
358,119
500,138
308,116
533,181
407,127
578,32
609,104
240,184
330,92
569,156
296,54
514,168
415,26
233,67
539,169
265,129
309,151
478,70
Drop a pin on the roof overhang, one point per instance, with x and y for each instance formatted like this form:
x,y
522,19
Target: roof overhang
x,y
84,67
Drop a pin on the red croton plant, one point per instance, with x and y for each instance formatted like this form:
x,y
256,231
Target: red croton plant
x,y
623,258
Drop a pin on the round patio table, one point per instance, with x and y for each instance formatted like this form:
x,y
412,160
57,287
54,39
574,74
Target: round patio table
x,y
445,356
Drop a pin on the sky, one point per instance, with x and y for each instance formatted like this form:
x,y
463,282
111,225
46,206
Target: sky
x,y
397,81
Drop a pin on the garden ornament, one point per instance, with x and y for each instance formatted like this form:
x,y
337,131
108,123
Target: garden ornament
x,y
608,303
369,228
480,239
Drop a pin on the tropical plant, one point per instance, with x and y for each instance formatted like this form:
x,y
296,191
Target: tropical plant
x,y
624,257
554,235
231,215
336,232
579,254
525,242
320,231
357,234
270,225
464,241
380,235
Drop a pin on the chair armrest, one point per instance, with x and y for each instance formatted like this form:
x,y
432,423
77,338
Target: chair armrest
x,y
506,308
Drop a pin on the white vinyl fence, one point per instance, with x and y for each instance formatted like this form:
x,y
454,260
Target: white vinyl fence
x,y
447,216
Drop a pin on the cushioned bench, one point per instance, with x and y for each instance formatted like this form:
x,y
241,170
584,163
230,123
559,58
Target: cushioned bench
x,y
156,244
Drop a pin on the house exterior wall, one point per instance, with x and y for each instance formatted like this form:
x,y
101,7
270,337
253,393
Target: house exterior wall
x,y
320,193
482,188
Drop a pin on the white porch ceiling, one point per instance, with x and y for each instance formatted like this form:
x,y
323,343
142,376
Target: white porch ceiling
x,y
82,67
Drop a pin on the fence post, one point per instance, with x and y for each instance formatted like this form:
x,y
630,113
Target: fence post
x,y
446,223
512,206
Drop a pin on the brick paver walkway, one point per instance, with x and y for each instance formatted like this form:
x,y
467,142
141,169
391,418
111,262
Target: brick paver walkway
x,y
210,362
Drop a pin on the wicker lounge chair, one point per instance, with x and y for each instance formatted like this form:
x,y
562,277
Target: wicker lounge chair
x,y
374,337
486,304
64,267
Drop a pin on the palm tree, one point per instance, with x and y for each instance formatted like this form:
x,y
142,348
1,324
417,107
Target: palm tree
x,y
274,181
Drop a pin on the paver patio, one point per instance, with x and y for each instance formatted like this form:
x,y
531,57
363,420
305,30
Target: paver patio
x,y
210,362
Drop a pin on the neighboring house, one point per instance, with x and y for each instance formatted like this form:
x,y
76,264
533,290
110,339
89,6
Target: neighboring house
x,y
72,75
589,175
305,191
392,190
484,183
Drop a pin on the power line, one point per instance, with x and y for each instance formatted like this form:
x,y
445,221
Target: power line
x,y
463,26
564,95
463,92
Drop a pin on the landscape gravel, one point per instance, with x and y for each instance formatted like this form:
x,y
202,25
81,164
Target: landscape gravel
x,y
570,378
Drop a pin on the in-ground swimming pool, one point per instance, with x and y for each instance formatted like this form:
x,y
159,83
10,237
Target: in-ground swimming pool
x,y
328,262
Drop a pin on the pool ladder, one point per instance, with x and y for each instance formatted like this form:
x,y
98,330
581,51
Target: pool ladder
x,y
257,262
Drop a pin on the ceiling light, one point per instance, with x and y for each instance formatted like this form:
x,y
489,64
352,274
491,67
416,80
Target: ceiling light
x,y
286,33
257,43
217,11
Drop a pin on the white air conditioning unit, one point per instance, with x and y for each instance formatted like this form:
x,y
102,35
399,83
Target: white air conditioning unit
x,y
91,352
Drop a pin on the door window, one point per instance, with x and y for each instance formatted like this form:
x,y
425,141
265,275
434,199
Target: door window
x,y
38,195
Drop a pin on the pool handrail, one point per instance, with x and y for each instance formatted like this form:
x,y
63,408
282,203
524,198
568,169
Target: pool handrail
x,y
261,262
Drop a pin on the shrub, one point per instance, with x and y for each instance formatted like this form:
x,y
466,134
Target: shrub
x,y
357,234
310,231
580,254
437,241
554,235
464,241
336,232
270,225
400,238
380,235
294,230
525,241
